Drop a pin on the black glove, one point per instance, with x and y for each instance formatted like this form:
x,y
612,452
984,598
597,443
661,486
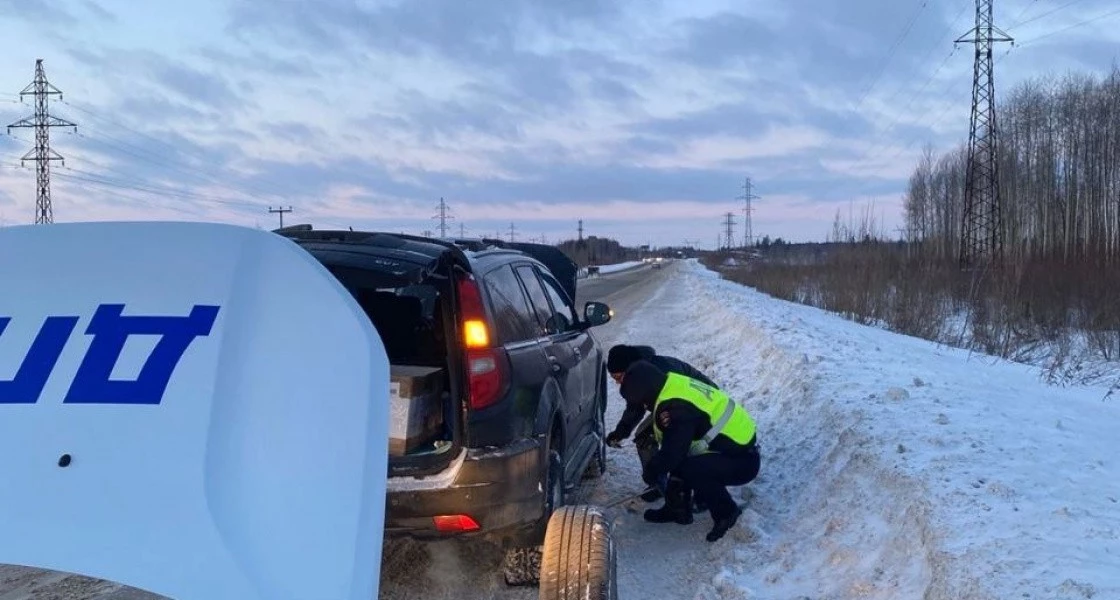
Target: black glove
x,y
614,440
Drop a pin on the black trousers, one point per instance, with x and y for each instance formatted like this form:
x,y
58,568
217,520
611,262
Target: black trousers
x,y
644,442
708,476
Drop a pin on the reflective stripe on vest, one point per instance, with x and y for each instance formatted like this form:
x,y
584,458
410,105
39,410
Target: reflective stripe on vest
x,y
726,416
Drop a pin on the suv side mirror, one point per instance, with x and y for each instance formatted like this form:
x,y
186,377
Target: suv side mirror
x,y
597,313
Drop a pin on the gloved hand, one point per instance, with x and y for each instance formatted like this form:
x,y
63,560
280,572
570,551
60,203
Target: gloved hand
x,y
614,440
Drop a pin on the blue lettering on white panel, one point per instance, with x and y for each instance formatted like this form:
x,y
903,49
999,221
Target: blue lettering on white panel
x,y
92,384
35,370
110,329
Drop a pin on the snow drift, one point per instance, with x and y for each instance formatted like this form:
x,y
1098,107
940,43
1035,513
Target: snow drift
x,y
892,467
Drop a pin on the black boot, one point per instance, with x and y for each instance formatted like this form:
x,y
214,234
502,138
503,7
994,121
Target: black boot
x,y
677,508
723,525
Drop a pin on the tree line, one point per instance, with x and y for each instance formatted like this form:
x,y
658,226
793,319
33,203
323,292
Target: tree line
x,y
1058,148
1053,300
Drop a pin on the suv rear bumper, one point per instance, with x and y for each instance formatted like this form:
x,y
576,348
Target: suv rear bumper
x,y
502,490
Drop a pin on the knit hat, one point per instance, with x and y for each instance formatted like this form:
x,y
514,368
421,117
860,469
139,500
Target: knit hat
x,y
621,356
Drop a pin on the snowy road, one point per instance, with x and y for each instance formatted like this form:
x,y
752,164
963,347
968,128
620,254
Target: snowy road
x,y
892,468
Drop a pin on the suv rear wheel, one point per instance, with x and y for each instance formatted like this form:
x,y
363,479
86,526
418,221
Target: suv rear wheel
x,y
598,465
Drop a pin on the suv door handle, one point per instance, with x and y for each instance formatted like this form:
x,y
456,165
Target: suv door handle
x,y
579,353
552,360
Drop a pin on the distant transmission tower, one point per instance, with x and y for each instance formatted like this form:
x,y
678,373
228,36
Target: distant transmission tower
x,y
729,224
42,121
462,230
748,229
512,232
982,226
443,218
580,230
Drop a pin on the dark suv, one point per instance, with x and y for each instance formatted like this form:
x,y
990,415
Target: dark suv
x,y
523,379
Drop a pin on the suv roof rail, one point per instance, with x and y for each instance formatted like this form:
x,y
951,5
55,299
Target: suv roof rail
x,y
475,245
373,238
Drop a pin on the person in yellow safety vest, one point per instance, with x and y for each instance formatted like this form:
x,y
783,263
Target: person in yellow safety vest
x,y
638,419
707,442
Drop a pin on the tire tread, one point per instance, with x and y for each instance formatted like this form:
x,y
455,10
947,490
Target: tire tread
x,y
577,556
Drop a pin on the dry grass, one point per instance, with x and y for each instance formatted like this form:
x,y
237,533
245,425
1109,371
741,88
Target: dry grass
x,y
1057,314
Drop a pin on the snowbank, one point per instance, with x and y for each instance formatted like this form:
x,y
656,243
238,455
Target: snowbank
x,y
892,467
606,269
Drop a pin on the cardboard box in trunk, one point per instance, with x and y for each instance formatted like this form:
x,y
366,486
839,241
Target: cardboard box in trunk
x,y
415,407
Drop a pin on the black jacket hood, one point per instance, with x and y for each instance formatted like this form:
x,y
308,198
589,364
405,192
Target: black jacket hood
x,y
642,384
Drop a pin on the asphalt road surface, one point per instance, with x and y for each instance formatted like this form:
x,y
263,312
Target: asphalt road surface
x,y
410,570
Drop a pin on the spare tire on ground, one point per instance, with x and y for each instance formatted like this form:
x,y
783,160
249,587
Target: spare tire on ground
x,y
578,557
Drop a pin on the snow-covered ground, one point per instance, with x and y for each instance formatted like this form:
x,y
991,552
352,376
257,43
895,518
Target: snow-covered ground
x,y
892,467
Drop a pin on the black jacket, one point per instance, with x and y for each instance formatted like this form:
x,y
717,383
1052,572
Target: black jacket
x,y
634,413
681,424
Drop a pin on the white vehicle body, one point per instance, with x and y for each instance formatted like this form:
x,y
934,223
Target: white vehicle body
x,y
222,435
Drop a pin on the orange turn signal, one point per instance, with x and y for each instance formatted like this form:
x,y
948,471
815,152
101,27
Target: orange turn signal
x,y
475,334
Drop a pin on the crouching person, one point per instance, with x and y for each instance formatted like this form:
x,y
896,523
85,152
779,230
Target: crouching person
x,y
706,443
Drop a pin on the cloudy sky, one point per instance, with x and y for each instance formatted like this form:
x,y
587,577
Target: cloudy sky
x,y
641,117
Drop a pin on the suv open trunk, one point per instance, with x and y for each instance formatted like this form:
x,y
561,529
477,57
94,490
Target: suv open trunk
x,y
408,294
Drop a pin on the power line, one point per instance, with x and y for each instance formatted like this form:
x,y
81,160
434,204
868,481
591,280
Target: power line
x,y
163,161
1022,12
197,175
1074,26
42,154
133,183
160,192
891,53
1046,14
122,191
878,145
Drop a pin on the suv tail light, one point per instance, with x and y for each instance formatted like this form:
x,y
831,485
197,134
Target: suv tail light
x,y
486,365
